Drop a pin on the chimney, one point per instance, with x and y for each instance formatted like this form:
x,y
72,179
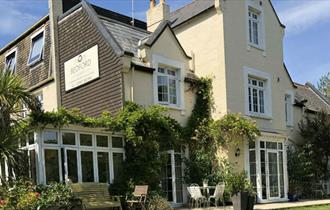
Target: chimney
x,y
156,14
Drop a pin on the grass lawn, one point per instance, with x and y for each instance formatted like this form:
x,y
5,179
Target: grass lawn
x,y
321,207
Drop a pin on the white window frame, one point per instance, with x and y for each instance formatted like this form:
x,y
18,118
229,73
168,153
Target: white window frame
x,y
254,7
37,33
160,61
248,73
288,111
8,54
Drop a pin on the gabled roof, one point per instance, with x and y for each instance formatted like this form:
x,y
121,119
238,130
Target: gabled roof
x,y
312,99
189,11
197,7
153,37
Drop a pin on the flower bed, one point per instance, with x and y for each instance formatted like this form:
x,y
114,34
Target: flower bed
x,y
22,194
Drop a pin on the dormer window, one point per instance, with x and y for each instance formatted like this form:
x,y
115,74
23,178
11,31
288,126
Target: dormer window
x,y
167,85
10,64
37,45
254,27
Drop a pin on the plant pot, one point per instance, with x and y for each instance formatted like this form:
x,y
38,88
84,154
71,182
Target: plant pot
x,y
240,201
251,201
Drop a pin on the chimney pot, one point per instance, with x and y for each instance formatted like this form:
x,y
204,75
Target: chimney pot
x,y
152,3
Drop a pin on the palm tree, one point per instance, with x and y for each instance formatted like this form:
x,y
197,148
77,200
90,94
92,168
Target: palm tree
x,y
13,95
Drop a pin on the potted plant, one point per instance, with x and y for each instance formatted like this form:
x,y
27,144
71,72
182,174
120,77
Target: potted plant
x,y
241,191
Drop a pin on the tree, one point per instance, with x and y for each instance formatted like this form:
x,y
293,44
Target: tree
x,y
12,96
324,84
316,132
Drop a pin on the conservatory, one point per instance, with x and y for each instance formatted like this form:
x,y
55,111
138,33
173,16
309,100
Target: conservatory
x,y
70,155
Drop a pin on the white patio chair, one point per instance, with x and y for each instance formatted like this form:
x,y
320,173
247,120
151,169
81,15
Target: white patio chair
x,y
218,195
197,197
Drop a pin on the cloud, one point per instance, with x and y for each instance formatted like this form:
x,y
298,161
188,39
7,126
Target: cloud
x,y
303,16
14,18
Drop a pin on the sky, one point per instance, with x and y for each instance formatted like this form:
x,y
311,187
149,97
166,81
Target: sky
x,y
306,41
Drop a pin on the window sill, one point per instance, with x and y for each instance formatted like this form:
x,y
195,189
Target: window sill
x,y
258,47
260,116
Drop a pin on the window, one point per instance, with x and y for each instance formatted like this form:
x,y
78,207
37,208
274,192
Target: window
x,y
117,142
288,109
10,64
25,110
40,98
50,137
86,140
37,46
254,27
256,93
52,168
167,86
68,138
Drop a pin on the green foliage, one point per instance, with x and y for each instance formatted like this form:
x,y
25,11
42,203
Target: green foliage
x,y
158,202
24,195
238,182
12,95
233,128
316,133
324,85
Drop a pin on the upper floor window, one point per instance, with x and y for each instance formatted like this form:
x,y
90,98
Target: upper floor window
x,y
256,90
37,45
167,85
254,27
288,109
40,98
10,64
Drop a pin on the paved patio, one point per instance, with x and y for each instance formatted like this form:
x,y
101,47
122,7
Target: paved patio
x,y
274,205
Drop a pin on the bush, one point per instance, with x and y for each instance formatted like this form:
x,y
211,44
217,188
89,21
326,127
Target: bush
x,y
24,195
157,202
238,182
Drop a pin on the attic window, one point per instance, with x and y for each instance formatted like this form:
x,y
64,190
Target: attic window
x,y
37,45
10,64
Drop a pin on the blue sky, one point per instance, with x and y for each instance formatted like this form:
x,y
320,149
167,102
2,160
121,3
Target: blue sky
x,y
306,42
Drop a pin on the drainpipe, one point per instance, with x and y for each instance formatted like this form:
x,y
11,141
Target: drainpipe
x,y
132,84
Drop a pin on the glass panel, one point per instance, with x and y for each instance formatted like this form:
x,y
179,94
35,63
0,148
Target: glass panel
x,y
69,138
172,84
262,144
255,100
86,140
250,99
250,30
11,62
103,166
263,173
253,171
31,138
167,179
252,144
23,142
117,142
161,70
171,72
118,161
72,162
52,166
178,178
271,145
102,141
36,51
281,173
87,166
261,101
50,137
33,165
273,174
162,88
280,146
255,32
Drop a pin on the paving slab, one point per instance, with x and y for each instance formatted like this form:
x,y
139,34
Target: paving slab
x,y
284,205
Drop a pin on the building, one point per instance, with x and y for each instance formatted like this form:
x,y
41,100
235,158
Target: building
x,y
83,56
240,45
86,57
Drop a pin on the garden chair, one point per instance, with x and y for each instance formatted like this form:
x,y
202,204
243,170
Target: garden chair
x,y
139,198
197,197
218,195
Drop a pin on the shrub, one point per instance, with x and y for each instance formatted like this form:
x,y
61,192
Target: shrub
x,y
24,195
157,202
238,182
